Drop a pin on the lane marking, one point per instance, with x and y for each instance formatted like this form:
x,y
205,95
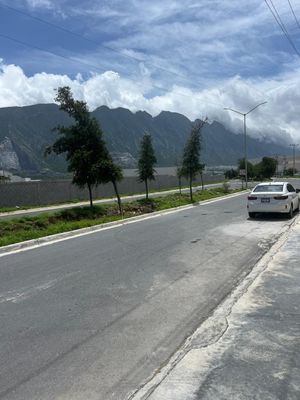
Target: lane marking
x,y
96,228
19,296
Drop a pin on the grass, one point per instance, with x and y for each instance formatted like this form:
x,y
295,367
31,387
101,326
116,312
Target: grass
x,y
74,201
25,228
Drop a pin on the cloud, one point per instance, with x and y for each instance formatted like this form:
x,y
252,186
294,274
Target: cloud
x,y
40,3
278,120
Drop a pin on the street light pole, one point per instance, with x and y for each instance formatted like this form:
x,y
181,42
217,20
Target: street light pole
x,y
293,145
245,136
245,152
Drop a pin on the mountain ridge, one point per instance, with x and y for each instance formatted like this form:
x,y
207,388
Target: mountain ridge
x,y
30,131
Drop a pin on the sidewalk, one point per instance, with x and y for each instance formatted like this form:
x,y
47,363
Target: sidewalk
x,y
250,347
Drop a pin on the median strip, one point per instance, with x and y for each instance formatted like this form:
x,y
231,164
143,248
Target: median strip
x,y
29,232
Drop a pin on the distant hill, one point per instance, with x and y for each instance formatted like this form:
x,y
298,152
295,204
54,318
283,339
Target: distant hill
x,y
26,131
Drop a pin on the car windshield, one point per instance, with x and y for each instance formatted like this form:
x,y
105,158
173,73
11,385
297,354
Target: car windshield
x,y
269,188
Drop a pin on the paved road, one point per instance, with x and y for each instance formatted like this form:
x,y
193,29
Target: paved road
x,y
94,317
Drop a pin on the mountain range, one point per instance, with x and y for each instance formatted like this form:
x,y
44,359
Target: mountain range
x,y
25,132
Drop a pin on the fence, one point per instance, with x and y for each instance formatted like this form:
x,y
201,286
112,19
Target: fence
x,y
36,193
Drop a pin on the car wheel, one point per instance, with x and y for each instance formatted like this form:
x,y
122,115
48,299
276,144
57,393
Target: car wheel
x,y
290,214
251,215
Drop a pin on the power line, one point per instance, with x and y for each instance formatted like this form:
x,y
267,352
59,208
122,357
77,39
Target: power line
x,y
284,27
293,12
281,25
279,18
50,52
43,21
97,68
16,10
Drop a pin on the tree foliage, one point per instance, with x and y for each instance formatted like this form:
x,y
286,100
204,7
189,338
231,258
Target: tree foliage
x,y
82,142
289,172
266,168
262,170
179,177
146,161
231,174
191,165
250,167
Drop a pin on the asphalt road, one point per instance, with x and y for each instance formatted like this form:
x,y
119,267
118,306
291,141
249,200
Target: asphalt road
x,y
93,317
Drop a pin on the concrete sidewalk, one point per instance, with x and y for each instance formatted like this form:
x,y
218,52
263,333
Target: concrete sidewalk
x,y
250,347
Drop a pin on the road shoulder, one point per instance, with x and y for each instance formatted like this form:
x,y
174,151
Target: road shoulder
x,y
249,347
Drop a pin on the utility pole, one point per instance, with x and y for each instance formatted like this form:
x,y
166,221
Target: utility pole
x,y
245,136
294,145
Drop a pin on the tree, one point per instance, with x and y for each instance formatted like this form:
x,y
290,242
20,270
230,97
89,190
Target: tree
x,y
231,174
191,165
250,167
146,161
202,166
179,174
113,174
266,168
85,149
289,172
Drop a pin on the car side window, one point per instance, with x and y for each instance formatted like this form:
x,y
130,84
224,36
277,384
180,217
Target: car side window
x,y
290,188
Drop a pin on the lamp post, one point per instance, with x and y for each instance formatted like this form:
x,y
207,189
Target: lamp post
x,y
294,145
245,135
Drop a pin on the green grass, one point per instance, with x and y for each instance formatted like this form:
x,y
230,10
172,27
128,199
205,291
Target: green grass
x,y
74,201
25,228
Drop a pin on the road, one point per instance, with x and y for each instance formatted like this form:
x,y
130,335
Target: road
x,y
93,317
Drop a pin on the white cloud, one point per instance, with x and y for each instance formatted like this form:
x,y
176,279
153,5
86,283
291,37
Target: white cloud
x,y
278,120
40,3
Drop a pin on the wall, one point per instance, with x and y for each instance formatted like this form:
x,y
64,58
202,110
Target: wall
x,y
52,192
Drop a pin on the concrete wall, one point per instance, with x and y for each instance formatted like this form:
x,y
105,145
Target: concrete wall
x,y
52,192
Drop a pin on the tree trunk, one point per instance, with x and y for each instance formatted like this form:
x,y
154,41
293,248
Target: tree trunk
x,y
90,194
146,184
201,176
118,196
191,190
179,182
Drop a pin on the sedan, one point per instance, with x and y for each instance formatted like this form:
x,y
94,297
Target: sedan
x,y
273,197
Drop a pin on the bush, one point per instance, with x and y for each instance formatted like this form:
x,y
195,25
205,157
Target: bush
x,y
231,174
226,187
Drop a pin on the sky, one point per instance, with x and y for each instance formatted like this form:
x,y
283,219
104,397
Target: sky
x,y
195,57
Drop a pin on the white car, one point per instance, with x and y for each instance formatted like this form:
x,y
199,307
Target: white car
x,y
273,197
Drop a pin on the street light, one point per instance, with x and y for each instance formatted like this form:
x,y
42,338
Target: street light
x,y
245,135
294,145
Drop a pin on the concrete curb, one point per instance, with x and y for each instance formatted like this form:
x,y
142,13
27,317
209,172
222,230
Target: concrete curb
x,y
43,241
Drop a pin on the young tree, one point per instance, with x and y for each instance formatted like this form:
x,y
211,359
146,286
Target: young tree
x,y
250,167
289,172
266,168
231,174
179,174
146,161
191,165
82,142
113,174
202,166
